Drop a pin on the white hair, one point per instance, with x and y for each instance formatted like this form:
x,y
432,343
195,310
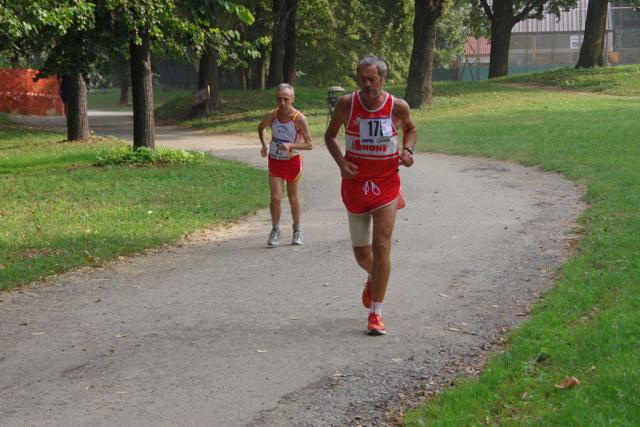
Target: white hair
x,y
283,86
372,59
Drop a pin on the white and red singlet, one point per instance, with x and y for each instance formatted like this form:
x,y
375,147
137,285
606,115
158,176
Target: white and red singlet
x,y
372,145
286,164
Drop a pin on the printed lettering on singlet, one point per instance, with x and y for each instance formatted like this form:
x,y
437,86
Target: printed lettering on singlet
x,y
282,133
276,152
376,136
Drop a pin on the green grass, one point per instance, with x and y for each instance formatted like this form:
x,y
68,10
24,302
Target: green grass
x,y
107,99
57,212
242,110
623,80
588,325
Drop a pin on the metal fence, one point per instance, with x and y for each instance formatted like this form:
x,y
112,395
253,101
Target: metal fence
x,y
538,45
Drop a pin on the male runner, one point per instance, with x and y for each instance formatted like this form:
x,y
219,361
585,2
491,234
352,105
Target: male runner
x,y
288,128
370,179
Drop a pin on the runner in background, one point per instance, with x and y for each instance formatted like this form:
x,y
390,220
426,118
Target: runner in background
x,y
289,134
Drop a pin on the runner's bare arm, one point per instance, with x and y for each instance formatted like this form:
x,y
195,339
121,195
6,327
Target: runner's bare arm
x,y
302,125
339,118
264,123
402,119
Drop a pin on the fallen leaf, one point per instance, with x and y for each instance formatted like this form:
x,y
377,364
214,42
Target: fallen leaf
x,y
568,382
453,329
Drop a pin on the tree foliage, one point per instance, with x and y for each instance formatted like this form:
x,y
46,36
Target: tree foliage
x,y
331,39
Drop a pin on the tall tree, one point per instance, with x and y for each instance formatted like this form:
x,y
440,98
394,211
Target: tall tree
x,y
279,12
144,22
64,31
142,89
258,34
419,90
76,107
595,27
330,39
215,19
503,15
123,75
289,59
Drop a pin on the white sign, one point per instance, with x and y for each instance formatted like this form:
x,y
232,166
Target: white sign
x,y
575,41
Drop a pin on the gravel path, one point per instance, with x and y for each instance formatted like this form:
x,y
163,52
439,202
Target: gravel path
x,y
219,330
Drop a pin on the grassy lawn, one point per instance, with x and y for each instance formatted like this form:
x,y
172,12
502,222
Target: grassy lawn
x,y
242,110
58,212
107,99
623,80
588,326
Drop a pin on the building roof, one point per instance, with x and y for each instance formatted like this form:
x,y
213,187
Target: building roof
x,y
571,21
476,47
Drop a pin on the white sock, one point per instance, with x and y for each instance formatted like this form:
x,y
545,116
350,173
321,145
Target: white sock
x,y
376,307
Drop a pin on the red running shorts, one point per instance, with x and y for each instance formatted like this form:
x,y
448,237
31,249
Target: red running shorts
x,y
289,170
363,196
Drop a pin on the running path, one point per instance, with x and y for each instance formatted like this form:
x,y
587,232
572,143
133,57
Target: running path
x,y
222,331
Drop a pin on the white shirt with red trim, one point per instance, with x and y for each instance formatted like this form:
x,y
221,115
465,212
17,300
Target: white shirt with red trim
x,y
283,133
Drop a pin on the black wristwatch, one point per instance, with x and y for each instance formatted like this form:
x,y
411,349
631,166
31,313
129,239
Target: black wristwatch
x,y
408,149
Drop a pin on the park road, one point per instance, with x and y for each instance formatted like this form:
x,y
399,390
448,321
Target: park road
x,y
219,330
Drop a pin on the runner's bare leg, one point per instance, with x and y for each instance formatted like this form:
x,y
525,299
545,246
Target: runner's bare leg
x,y
364,258
294,201
275,185
384,220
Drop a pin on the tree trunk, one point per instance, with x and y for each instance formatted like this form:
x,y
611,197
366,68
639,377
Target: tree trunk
x,y
123,76
594,32
124,91
277,44
142,91
419,90
207,78
76,99
501,25
242,77
258,81
214,99
289,60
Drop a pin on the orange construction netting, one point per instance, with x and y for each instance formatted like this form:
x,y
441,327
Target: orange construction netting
x,y
19,94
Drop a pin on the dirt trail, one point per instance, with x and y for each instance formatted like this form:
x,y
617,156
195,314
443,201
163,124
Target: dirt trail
x,y
222,331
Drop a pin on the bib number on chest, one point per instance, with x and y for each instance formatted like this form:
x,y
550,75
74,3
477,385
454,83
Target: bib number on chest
x,y
375,131
276,152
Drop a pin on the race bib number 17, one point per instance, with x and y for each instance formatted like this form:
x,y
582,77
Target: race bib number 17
x,y
375,131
